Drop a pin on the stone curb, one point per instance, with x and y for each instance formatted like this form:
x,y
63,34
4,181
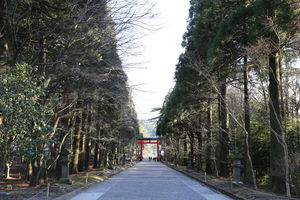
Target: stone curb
x,y
207,184
72,194
78,190
230,194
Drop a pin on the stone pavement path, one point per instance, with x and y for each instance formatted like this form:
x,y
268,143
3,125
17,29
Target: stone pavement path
x,y
149,181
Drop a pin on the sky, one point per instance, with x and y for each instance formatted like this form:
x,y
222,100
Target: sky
x,y
153,77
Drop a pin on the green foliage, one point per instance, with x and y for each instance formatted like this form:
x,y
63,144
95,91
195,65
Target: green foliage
x,y
216,59
26,112
260,147
259,19
74,43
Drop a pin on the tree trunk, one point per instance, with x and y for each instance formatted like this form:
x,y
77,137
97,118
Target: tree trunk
x,y
97,151
67,124
286,90
105,155
208,163
42,174
249,166
185,152
298,123
177,152
87,153
199,153
29,170
101,157
83,136
38,173
34,178
192,142
76,143
278,168
87,139
96,155
8,165
223,132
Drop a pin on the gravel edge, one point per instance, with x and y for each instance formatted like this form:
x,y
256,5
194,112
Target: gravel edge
x,y
78,190
205,183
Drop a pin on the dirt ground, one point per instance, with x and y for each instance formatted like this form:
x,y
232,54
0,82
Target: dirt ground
x,y
15,188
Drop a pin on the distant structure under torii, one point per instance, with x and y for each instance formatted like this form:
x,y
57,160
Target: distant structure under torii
x,y
142,141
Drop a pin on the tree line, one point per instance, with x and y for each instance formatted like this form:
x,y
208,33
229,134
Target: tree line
x,y
62,85
237,92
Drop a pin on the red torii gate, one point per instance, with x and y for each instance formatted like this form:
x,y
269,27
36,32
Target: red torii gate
x,y
143,141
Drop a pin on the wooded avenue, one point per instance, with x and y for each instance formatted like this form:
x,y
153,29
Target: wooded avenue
x,y
67,110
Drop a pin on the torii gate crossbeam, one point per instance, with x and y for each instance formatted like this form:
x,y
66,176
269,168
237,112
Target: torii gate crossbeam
x,y
143,141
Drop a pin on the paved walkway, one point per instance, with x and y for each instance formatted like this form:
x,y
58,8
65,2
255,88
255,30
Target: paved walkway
x,y
149,181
